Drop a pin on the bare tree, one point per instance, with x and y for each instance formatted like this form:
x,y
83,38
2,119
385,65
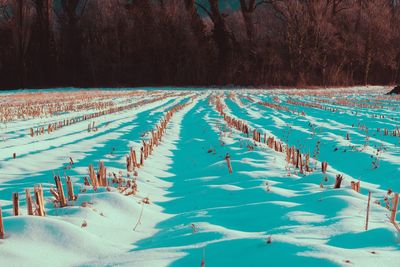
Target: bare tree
x,y
198,42
44,10
223,38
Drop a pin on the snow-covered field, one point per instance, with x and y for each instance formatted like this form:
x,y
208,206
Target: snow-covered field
x,y
186,208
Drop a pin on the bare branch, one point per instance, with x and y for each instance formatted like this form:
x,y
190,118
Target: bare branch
x,y
262,3
204,9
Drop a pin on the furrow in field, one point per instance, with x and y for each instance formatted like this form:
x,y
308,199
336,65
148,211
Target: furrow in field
x,y
334,148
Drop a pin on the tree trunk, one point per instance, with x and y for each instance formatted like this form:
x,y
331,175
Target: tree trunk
x,y
247,13
247,10
72,41
223,41
368,58
196,23
43,12
18,41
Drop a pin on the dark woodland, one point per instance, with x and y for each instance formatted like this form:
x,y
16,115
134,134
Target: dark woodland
x,y
116,43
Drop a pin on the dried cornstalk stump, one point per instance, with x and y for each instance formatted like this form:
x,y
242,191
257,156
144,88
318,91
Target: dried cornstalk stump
x,y
39,201
367,218
55,194
60,190
15,200
102,174
228,162
93,177
70,187
324,166
395,206
2,233
356,186
338,182
29,202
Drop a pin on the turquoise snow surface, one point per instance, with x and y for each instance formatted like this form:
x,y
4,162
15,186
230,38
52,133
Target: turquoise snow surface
x,y
266,213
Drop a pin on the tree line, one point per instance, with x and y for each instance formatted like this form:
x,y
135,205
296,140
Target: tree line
x,y
89,43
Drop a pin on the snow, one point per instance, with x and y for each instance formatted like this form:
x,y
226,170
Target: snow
x,y
197,209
